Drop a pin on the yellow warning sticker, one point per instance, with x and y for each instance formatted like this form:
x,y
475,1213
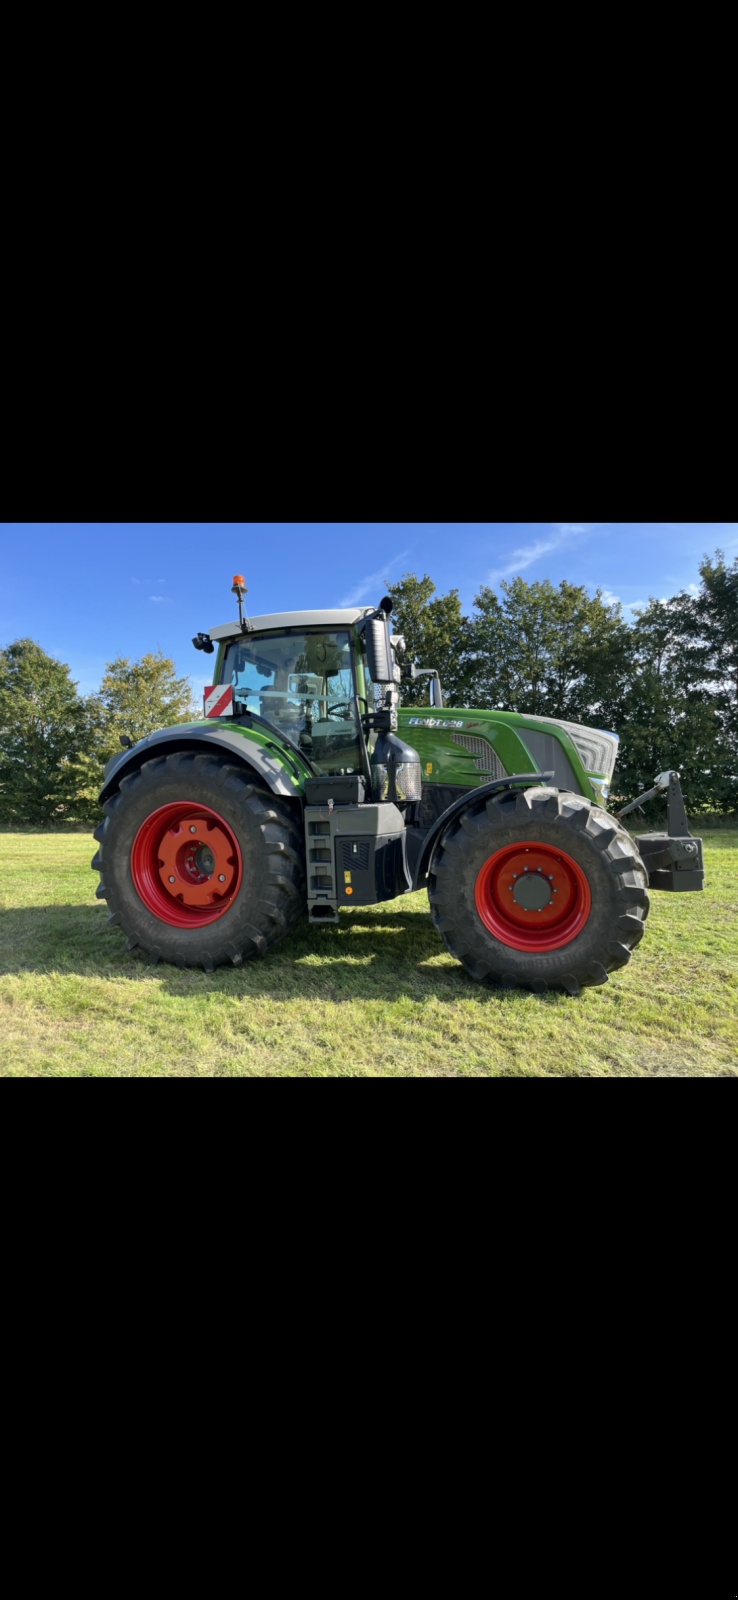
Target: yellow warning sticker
x,y
429,767
347,877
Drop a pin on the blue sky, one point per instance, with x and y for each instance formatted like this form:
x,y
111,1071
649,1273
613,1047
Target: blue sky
x,y
89,591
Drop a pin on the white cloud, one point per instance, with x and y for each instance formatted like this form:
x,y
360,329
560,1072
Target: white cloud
x,y
136,580
610,599
160,599
577,527
528,553
522,558
367,586
693,589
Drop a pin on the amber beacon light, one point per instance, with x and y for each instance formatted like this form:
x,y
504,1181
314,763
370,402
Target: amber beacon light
x,y
240,590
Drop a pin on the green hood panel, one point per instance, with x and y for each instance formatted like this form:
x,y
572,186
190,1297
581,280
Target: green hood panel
x,y
445,759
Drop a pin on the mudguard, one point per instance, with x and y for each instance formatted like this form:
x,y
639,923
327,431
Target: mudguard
x,y
435,834
271,766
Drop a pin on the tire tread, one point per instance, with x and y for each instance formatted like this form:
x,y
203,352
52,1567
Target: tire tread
x,y
566,813
281,872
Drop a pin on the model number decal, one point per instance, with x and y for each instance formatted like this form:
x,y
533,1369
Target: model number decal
x,y
433,722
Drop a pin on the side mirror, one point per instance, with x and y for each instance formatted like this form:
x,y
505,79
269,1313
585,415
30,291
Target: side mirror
x,y
378,653
203,641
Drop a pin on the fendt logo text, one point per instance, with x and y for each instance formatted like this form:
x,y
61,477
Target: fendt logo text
x,y
434,722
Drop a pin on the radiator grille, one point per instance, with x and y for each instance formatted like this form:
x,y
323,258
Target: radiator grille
x,y
355,855
486,760
597,749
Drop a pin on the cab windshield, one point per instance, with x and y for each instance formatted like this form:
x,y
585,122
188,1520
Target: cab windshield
x,y
303,684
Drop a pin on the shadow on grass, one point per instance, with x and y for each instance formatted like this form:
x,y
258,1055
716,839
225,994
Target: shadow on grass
x,y
382,956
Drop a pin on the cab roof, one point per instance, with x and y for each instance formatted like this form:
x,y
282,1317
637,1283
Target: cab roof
x,y
296,619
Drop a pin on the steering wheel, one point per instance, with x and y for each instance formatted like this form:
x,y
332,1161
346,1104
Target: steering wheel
x,y
339,706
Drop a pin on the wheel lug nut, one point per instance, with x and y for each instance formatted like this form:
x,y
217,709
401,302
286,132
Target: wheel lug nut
x,y
221,877
172,880
193,829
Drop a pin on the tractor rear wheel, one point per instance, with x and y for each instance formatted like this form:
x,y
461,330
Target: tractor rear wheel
x,y
199,864
539,888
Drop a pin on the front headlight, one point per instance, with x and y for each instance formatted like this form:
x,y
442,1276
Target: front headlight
x,y
408,781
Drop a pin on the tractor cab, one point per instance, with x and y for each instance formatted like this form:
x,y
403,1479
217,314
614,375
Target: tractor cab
x,y
328,682
305,682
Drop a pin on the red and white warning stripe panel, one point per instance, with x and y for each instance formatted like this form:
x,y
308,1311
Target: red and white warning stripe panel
x,y
218,701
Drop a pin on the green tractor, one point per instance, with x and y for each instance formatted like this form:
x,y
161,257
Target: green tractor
x,y
308,787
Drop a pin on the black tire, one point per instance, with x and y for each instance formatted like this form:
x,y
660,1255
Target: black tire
x,y
272,895
617,878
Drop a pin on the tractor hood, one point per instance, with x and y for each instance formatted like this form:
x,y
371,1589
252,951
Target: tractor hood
x,y
466,747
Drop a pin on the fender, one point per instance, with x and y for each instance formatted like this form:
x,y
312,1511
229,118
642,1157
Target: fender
x,y
247,751
435,834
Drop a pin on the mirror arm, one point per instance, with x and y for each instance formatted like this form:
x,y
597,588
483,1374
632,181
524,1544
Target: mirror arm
x,y
435,684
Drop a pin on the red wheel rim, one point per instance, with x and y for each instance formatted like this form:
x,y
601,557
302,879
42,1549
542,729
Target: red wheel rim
x,y
533,897
186,864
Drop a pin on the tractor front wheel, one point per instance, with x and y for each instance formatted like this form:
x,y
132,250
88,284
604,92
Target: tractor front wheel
x,y
200,865
539,888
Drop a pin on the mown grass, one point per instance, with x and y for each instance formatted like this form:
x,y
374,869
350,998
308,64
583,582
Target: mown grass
x,y
377,997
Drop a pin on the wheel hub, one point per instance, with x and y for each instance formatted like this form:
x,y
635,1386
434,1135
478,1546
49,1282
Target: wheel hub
x,y
186,864
197,853
532,892
533,896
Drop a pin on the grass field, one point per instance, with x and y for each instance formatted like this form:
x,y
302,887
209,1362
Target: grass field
x,y
376,997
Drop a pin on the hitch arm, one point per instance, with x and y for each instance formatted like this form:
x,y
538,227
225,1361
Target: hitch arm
x,y
677,817
634,804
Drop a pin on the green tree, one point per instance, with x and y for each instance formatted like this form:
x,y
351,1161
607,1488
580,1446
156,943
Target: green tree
x,y
676,708
136,698
44,737
436,635
716,612
552,652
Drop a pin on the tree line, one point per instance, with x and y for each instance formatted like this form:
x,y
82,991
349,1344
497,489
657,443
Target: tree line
x,y
54,742
667,683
